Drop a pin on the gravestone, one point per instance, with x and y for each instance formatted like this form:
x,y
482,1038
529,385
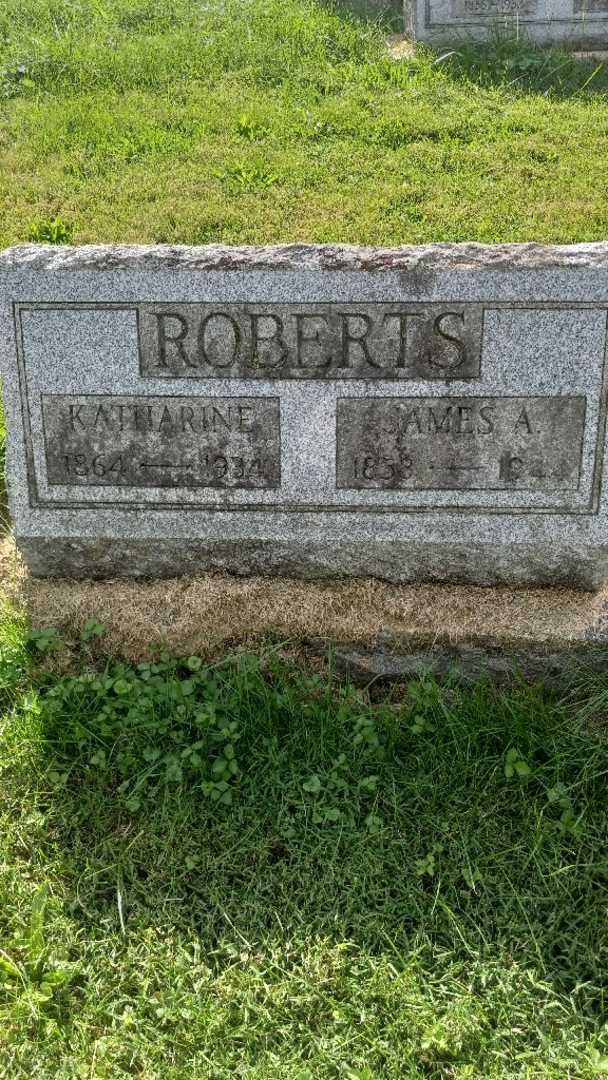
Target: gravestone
x,y
432,413
580,24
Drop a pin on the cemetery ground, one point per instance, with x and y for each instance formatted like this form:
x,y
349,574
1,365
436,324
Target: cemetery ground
x,y
246,867
284,120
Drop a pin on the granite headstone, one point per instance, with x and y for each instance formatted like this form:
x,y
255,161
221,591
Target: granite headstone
x,y
432,413
581,24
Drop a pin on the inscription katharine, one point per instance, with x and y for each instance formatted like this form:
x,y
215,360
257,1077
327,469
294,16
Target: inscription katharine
x,y
162,441
529,443
304,341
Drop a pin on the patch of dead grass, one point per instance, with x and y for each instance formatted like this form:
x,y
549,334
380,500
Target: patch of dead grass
x,y
207,614
400,47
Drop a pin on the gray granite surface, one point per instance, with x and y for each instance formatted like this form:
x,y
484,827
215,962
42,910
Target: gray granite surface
x,y
432,413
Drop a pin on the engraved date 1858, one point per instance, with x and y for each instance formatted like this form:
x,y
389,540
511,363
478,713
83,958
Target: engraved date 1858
x,y
459,443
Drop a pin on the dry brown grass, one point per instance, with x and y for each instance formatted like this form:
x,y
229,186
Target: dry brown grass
x,y
400,47
206,614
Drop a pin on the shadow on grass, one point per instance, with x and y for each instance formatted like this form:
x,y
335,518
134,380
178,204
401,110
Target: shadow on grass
x,y
522,66
389,13
239,796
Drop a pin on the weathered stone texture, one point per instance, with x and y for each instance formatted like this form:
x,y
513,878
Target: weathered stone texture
x,y
427,413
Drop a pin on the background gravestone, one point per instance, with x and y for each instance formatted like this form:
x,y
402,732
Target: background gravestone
x,y
433,413
577,23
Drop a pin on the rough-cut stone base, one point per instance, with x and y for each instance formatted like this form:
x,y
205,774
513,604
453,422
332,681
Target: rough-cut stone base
x,y
401,563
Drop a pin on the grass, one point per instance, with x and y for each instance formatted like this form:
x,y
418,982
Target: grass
x,y
281,120
251,871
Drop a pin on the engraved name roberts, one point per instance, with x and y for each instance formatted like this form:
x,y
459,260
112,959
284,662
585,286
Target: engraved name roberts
x,y
310,341
163,442
474,443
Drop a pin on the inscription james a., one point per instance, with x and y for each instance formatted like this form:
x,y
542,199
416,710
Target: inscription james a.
x,y
189,442
502,443
310,341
